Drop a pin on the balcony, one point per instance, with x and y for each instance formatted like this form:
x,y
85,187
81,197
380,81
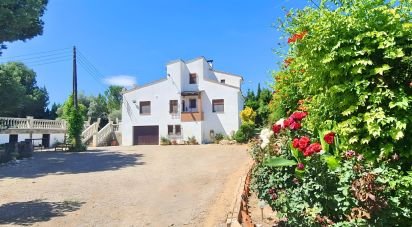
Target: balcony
x,y
191,106
191,116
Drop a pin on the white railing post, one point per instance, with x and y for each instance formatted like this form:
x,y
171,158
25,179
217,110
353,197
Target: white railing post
x,y
29,122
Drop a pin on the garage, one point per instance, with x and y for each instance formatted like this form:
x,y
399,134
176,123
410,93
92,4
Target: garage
x,y
146,135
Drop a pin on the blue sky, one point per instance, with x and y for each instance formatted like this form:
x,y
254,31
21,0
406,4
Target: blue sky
x,y
138,38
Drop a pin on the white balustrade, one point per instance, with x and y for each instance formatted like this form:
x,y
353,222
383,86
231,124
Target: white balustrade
x,y
30,123
104,133
116,127
90,131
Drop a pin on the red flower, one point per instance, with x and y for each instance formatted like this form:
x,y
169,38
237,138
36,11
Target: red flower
x,y
295,125
300,166
286,123
298,115
329,138
297,36
304,142
295,143
276,128
314,147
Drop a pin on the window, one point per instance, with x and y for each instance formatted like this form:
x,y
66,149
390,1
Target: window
x,y
173,106
170,130
145,107
222,81
192,78
174,130
218,105
192,103
178,130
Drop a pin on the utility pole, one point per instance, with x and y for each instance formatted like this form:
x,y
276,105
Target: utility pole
x,y
74,78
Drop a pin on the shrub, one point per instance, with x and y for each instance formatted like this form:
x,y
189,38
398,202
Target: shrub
x,y
248,116
245,132
192,140
218,137
348,68
353,193
350,64
164,141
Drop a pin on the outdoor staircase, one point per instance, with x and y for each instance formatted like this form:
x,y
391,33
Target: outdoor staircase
x,y
92,136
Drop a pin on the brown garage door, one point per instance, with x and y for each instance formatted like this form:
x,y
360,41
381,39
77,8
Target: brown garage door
x,y
146,135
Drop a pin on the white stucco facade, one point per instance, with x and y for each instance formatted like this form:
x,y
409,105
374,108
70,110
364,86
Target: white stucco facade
x,y
198,119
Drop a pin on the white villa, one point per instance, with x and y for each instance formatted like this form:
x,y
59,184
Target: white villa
x,y
194,100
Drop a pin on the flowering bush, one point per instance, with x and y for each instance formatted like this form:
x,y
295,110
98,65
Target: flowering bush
x,y
340,152
352,66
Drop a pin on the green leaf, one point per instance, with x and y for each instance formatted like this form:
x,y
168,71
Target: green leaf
x,y
380,70
279,162
295,152
299,172
331,161
402,104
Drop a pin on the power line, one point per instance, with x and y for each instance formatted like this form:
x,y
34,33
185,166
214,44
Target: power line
x,y
38,57
37,53
88,68
50,62
91,73
89,63
40,60
57,56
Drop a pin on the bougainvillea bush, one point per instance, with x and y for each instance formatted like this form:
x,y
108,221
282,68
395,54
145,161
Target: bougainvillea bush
x,y
341,148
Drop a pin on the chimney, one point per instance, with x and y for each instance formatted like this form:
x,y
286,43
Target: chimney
x,y
210,63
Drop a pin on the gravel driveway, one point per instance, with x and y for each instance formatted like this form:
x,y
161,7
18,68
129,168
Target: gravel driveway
x,y
123,186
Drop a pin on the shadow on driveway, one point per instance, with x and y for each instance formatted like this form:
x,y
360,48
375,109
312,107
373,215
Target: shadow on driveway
x,y
28,213
45,163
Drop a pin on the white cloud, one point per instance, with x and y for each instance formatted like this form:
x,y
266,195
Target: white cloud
x,y
120,80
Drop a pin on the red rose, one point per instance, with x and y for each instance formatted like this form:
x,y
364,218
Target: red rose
x,y
314,147
329,138
286,123
276,128
295,125
307,153
304,142
300,166
295,143
298,115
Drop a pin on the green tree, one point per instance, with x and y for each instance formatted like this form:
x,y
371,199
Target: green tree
x,y
98,108
20,95
11,93
114,98
251,100
263,110
20,20
259,103
75,123
53,111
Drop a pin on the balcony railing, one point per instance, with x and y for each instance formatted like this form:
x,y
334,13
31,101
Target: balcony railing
x,y
29,123
191,116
